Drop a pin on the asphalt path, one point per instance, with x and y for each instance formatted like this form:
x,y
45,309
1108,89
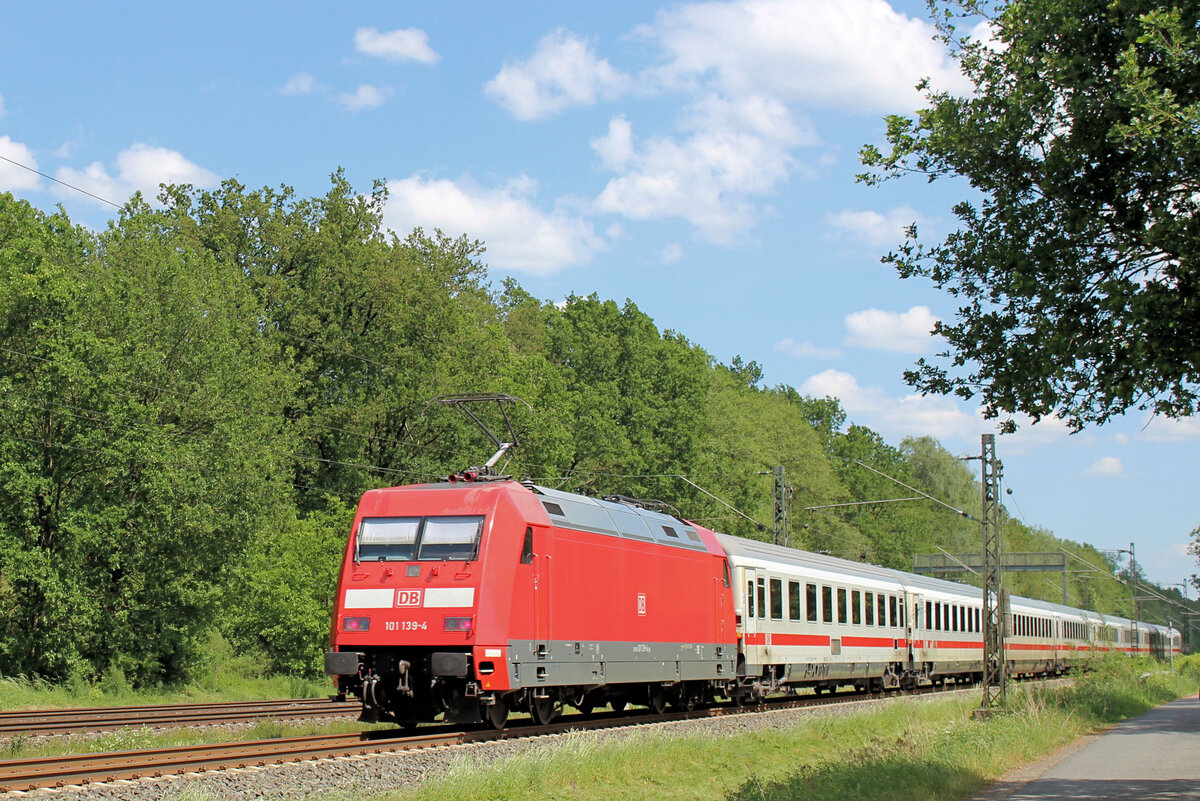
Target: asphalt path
x,y
1153,757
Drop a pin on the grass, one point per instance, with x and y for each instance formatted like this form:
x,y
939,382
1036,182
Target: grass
x,y
928,749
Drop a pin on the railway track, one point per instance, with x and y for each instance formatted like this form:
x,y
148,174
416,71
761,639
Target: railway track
x,y
43,722
83,769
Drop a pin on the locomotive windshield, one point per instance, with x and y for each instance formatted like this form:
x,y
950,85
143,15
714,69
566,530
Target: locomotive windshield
x,y
407,539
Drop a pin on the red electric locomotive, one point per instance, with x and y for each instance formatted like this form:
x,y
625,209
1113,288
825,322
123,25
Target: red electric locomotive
x,y
473,598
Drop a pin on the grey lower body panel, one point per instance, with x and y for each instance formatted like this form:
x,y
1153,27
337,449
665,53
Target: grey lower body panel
x,y
825,671
584,664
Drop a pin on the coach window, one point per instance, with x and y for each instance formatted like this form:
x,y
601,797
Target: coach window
x,y
900,609
869,608
929,614
776,599
856,607
793,600
892,621
750,598
881,612
762,598
826,603
842,604
810,598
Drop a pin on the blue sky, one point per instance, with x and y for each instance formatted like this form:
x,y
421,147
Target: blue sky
x,y
697,158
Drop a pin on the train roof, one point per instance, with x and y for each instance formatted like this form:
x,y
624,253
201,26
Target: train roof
x,y
618,519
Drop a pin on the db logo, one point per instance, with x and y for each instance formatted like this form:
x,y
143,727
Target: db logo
x,y
408,597
642,604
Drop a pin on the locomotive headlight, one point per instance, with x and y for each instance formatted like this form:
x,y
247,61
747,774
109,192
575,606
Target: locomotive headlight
x,y
356,624
457,623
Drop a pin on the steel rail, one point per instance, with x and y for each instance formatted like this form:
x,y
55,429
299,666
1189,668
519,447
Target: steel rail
x,y
38,722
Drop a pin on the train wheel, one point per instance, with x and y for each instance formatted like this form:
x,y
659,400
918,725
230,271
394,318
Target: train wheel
x,y
618,704
496,714
543,711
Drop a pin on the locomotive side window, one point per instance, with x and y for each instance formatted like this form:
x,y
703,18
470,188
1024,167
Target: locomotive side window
x,y
810,597
450,538
842,604
725,573
527,547
388,538
776,599
827,604
793,600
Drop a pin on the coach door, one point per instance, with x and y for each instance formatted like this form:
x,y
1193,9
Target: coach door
x,y
916,626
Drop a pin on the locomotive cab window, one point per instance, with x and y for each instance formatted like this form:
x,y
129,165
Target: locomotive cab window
x,y
527,548
388,538
430,539
450,538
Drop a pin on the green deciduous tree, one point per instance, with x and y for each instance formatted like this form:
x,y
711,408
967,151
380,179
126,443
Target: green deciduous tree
x,y
1076,259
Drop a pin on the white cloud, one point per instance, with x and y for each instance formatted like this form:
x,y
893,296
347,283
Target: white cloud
x,y
299,84
860,54
12,177
403,44
731,153
519,236
1109,466
562,72
907,332
894,418
670,254
139,168
874,228
365,96
806,350
1166,429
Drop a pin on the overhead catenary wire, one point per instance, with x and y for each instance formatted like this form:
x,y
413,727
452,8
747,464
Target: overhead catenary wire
x,y
63,183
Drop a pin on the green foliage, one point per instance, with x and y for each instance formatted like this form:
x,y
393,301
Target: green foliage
x,y
282,592
1075,261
